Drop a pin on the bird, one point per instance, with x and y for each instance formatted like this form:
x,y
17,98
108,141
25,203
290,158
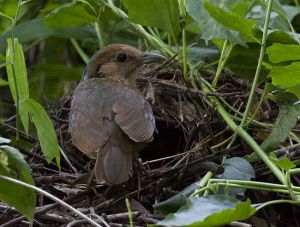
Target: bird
x,y
110,120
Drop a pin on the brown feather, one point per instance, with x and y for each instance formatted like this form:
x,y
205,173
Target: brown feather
x,y
109,119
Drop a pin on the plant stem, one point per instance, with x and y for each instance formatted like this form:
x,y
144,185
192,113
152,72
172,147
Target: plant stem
x,y
182,7
242,133
251,185
294,171
277,202
79,50
129,212
259,64
184,54
98,32
226,50
204,181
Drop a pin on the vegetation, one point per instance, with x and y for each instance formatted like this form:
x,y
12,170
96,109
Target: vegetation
x,y
241,56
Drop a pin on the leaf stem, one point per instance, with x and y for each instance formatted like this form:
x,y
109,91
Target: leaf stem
x,y
242,133
129,212
226,50
259,64
277,202
98,32
182,7
204,181
255,185
79,50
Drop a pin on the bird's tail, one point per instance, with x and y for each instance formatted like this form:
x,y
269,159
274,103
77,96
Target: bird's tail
x,y
113,165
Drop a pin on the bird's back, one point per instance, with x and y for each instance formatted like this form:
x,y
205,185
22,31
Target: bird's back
x,y
108,119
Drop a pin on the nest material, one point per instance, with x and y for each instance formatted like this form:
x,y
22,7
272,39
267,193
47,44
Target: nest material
x,y
180,154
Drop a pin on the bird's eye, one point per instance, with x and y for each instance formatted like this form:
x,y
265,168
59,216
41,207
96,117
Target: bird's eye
x,y
122,57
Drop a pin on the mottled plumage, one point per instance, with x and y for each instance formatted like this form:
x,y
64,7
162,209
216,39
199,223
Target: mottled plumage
x,y
109,119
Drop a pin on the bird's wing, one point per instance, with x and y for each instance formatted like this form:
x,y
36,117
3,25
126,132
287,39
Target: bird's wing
x,y
91,116
134,115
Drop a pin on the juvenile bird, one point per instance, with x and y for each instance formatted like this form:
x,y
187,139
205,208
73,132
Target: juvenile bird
x,y
110,120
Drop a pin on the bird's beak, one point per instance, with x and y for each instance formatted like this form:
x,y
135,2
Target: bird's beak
x,y
150,57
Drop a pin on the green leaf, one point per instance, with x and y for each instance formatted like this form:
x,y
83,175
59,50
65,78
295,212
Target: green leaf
x,y
175,202
279,36
243,62
45,129
209,26
280,95
291,11
17,76
283,163
36,29
230,20
163,14
69,15
213,210
236,169
285,122
287,77
12,164
283,52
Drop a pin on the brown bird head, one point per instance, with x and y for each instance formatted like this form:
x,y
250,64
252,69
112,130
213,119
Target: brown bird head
x,y
120,63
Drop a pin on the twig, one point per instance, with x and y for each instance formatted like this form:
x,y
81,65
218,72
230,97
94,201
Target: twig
x,y
51,197
67,160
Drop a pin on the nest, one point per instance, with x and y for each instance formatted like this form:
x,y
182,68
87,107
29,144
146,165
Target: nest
x,y
187,129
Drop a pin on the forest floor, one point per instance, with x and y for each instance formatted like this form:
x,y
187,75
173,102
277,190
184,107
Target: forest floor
x,y
190,140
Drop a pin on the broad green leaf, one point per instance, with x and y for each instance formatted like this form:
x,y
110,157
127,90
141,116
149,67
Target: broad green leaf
x,y
7,12
197,54
278,19
163,14
12,164
285,122
210,30
236,169
36,29
45,129
287,77
69,15
283,163
9,7
243,62
291,11
17,76
230,20
279,36
283,52
280,95
175,202
209,26
212,210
